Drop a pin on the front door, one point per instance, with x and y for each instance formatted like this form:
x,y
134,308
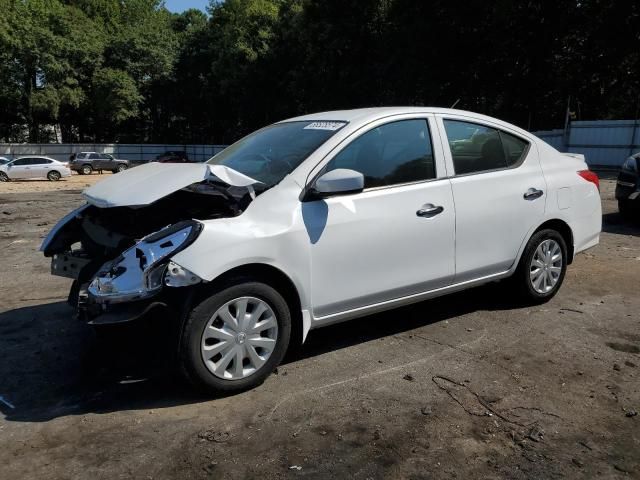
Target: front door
x,y
392,240
107,162
20,168
499,192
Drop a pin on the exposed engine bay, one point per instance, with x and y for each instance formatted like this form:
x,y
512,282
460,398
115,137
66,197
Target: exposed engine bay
x,y
122,254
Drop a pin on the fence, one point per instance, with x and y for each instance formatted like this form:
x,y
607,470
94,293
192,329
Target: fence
x,y
604,143
137,153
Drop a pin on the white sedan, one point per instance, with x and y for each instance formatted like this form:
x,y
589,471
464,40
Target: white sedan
x,y
320,219
34,167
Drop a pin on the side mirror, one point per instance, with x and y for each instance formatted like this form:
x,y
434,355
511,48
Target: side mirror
x,y
336,182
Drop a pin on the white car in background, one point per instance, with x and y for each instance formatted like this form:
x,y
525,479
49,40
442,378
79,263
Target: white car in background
x,y
33,167
320,219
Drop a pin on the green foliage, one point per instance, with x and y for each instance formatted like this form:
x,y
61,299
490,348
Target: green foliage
x,y
129,70
115,94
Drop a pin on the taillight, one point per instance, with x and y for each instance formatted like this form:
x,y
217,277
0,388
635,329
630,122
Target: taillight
x,y
590,176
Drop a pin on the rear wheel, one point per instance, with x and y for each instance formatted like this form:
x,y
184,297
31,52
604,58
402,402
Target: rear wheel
x,y
53,175
542,267
86,169
3,177
235,338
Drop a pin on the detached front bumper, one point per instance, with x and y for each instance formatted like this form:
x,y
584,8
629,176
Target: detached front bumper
x,y
95,313
97,309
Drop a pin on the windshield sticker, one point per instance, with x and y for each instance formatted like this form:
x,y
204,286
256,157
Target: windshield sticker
x,y
325,126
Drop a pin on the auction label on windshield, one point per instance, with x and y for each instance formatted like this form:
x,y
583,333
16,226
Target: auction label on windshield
x,y
325,125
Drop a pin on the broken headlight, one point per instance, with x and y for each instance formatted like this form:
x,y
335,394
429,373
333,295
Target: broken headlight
x,y
138,273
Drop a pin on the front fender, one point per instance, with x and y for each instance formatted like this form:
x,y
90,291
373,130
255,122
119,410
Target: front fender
x,y
228,243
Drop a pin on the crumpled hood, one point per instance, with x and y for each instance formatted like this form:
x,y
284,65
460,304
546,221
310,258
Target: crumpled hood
x,y
147,183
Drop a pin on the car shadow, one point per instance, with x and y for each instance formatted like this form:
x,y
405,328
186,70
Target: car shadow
x,y
53,366
615,223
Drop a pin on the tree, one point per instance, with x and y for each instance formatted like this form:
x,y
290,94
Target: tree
x,y
128,70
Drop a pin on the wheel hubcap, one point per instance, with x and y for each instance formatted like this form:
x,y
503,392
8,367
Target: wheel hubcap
x,y
546,266
239,338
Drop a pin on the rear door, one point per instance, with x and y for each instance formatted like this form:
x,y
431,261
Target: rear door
x,y
40,167
499,192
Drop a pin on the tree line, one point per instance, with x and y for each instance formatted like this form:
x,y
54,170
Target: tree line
x,y
131,71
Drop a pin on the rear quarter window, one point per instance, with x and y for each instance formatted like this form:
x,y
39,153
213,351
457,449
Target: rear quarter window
x,y
477,148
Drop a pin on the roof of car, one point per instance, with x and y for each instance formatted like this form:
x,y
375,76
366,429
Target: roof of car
x,y
365,115
35,156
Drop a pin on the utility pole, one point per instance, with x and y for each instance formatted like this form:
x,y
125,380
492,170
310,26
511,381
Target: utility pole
x,y
566,124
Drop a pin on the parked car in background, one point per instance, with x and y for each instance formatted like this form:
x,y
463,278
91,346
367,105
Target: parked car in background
x,y
34,167
86,162
4,160
173,156
321,219
628,186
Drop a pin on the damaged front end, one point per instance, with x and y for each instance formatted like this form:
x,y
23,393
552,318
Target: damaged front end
x,y
118,248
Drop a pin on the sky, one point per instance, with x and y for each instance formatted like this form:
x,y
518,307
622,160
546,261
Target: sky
x,y
182,5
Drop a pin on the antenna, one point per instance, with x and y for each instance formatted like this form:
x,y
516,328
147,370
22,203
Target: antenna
x,y
454,104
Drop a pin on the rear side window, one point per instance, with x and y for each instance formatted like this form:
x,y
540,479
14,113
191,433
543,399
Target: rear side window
x,y
39,161
94,156
391,154
478,148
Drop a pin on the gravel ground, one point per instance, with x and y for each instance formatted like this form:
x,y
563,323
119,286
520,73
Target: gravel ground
x,y
467,386
74,182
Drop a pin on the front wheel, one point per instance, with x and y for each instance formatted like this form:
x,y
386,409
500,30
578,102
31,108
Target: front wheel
x,y
624,207
235,338
4,177
120,168
542,267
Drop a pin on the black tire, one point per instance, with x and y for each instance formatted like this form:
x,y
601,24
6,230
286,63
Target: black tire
x,y
86,169
625,209
4,177
522,277
190,358
54,176
120,168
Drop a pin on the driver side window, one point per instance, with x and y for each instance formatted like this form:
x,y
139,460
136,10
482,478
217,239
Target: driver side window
x,y
391,154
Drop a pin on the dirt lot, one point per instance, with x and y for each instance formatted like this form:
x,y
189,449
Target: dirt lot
x,y
467,386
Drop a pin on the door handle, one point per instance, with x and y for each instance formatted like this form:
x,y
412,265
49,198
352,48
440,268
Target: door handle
x,y
429,210
533,193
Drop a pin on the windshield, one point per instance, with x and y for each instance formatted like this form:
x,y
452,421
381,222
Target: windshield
x,y
270,154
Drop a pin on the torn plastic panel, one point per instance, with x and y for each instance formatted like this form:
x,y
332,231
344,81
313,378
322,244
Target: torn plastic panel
x,y
122,253
139,272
